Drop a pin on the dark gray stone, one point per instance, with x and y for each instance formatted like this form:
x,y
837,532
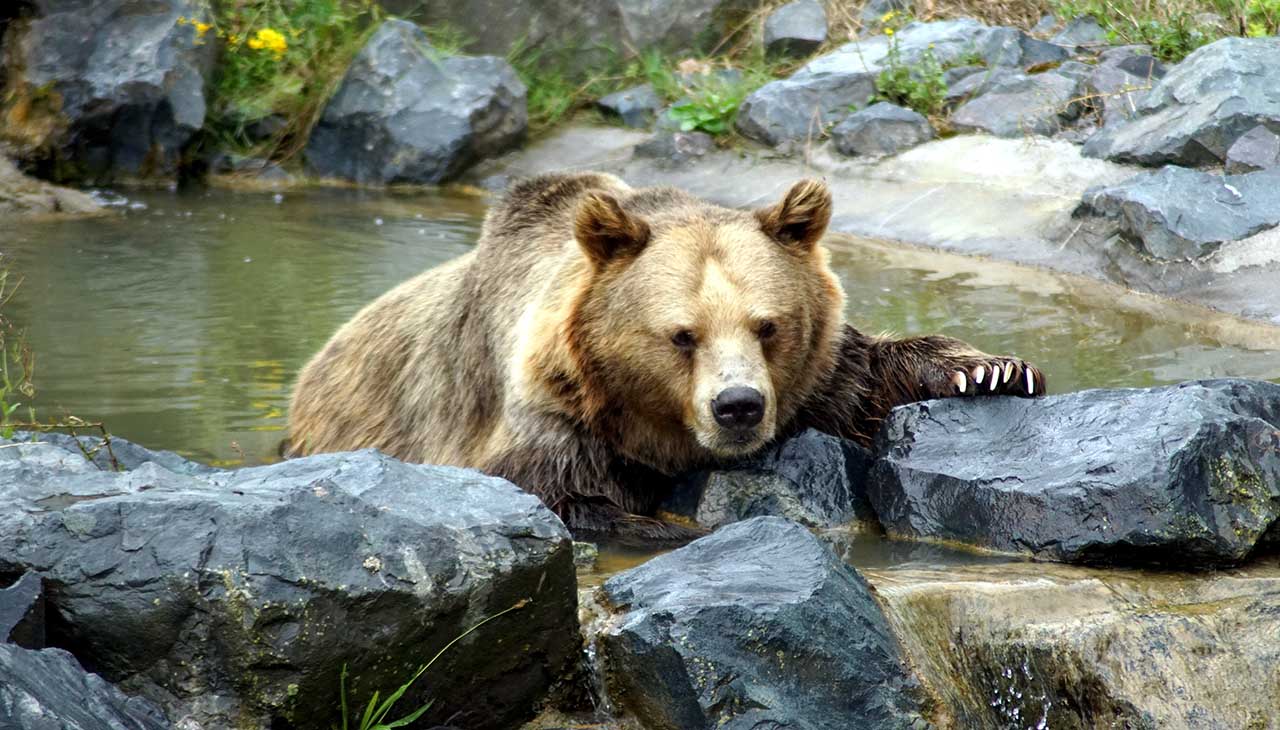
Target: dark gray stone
x,y
636,107
1015,49
796,29
236,597
794,110
956,74
1200,108
1082,34
676,148
1178,214
1120,81
976,84
49,690
881,129
109,90
756,626
812,478
1257,149
268,127
1185,475
1023,105
403,114
22,612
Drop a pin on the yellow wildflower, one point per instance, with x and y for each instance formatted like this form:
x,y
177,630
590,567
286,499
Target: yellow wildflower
x,y
888,31
888,16
267,39
233,39
202,28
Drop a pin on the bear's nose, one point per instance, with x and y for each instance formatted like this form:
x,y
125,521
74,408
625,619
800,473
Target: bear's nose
x,y
738,407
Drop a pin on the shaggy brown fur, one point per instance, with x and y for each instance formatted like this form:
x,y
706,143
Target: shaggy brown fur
x,y
579,348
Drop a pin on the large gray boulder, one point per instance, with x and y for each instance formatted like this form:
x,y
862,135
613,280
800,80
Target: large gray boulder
x,y
1185,475
49,690
1018,106
1176,214
1121,80
791,111
106,90
796,29
405,114
756,626
812,478
237,597
881,129
1201,107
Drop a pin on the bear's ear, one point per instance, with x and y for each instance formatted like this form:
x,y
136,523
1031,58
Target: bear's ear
x,y
606,231
802,216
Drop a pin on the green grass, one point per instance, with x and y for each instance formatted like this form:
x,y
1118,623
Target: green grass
x,y
1175,28
17,363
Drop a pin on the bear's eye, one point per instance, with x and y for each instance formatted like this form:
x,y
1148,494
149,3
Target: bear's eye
x,y
684,340
766,329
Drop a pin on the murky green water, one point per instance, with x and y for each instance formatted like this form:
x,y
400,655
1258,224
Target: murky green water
x,y
181,324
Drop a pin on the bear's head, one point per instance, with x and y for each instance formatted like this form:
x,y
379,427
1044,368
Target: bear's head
x,y
699,331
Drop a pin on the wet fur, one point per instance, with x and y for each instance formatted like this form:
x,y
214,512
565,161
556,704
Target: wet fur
x,y
508,359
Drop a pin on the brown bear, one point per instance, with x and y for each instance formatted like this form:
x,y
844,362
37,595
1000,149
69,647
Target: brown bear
x,y
600,338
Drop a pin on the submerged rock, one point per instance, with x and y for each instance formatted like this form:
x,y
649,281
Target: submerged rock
x,y
793,110
1201,107
758,625
1185,475
1023,645
238,596
1177,214
635,107
1020,105
812,478
404,114
49,690
881,129
105,90
21,195
796,29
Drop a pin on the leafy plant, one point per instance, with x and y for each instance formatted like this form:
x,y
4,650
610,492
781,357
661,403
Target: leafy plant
x,y
710,108
375,713
1172,29
921,86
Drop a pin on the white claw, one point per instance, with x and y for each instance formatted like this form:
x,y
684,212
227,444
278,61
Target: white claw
x,y
995,377
1031,382
978,374
1008,371
960,381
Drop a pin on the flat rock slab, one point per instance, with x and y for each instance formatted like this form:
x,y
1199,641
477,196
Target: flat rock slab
x,y
758,625
1200,108
49,690
813,478
241,594
1185,476
407,114
1178,214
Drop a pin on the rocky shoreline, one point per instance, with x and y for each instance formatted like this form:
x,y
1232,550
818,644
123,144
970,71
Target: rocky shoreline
x,y
213,598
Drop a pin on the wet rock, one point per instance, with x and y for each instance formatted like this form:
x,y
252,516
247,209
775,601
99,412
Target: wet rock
x,y
676,148
106,90
812,478
405,115
1026,645
1177,214
21,195
1082,34
976,84
22,612
1186,475
881,129
791,111
1022,105
49,690
236,597
1200,108
1013,48
1257,149
1120,81
636,107
758,625
796,29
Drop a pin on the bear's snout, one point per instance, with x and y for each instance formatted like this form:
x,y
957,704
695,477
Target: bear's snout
x,y
738,408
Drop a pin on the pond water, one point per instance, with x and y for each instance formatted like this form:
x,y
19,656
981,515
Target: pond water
x,y
180,320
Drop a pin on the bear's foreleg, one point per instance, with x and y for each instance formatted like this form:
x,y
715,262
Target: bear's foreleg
x,y
875,374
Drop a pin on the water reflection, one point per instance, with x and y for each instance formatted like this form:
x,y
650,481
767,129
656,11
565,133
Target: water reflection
x,y
181,322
